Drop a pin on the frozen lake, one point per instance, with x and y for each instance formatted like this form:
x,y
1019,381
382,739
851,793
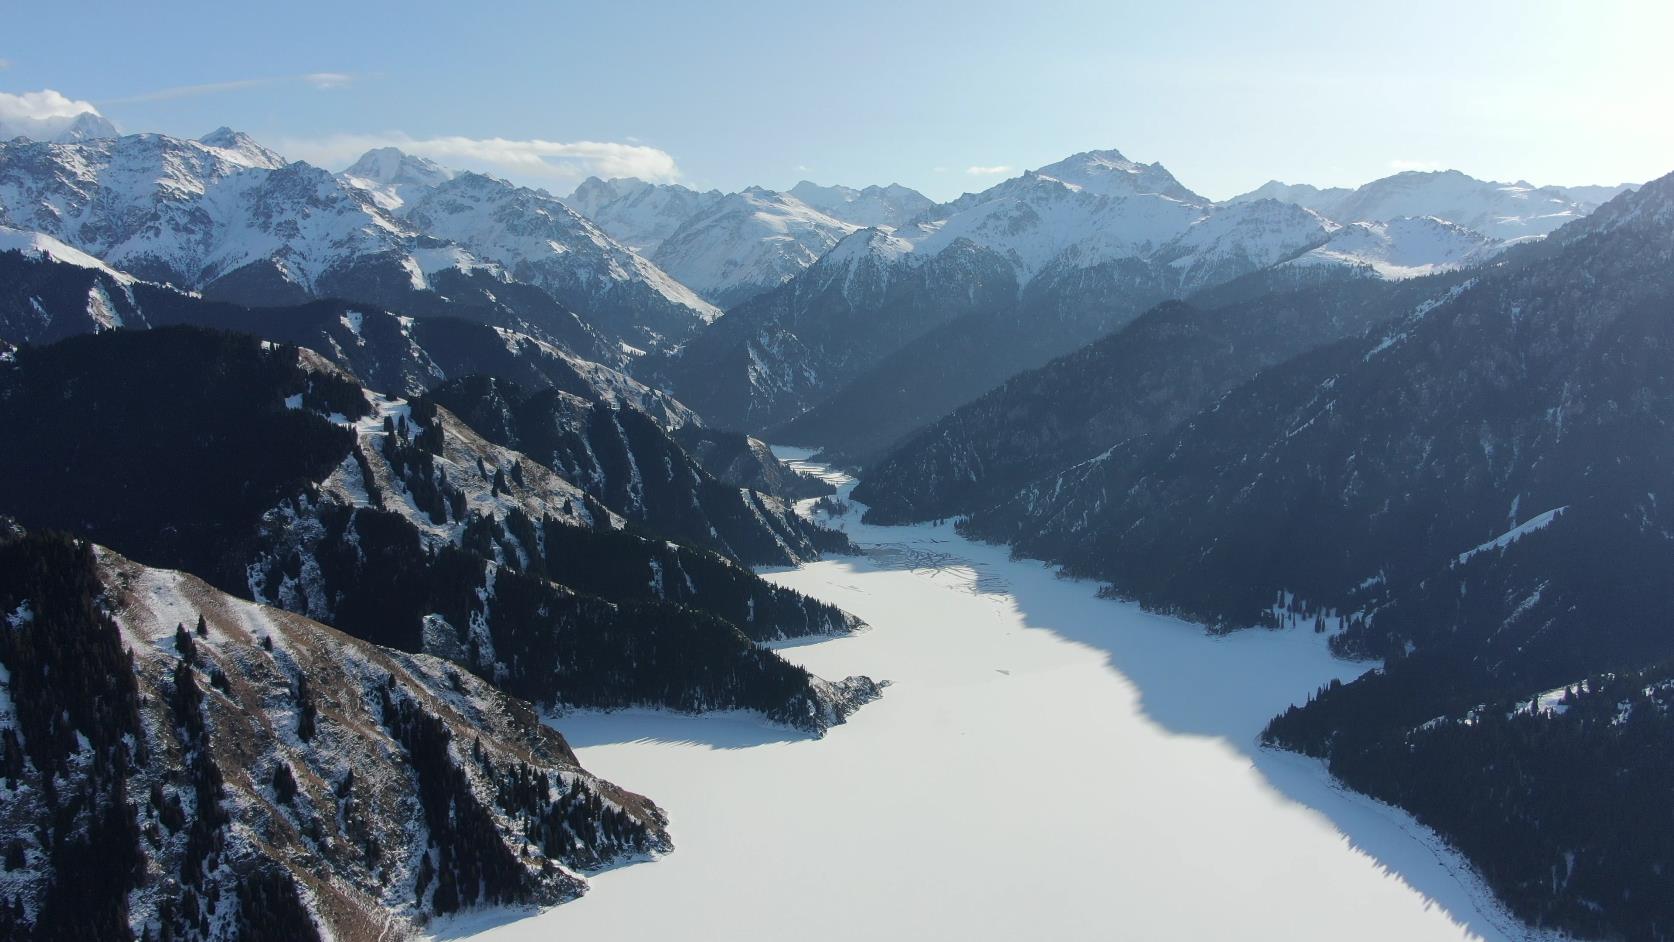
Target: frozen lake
x,y
1045,765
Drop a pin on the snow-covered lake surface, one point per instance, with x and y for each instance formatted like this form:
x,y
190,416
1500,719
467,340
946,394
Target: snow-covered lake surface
x,y
1045,765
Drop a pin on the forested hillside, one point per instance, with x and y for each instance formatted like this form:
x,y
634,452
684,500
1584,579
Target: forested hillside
x,y
398,524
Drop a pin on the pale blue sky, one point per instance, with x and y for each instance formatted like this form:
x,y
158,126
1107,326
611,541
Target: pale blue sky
x,y
1226,95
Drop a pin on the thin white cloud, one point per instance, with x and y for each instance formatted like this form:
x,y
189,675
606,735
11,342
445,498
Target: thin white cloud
x,y
553,160
325,80
45,103
1399,165
5,64
988,171
319,80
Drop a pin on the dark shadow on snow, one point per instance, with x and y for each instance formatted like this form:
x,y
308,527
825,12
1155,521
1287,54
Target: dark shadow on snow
x,y
714,730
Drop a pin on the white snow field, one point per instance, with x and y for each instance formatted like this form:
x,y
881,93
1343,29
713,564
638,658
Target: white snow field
x,y
1045,765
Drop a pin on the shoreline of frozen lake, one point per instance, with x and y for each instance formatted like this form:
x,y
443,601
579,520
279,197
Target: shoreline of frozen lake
x,y
1045,764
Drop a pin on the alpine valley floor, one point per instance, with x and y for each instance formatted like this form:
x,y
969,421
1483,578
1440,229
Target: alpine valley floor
x,y
1045,764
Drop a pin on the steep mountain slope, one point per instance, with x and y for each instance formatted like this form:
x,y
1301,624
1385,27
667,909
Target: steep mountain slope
x,y
630,465
743,461
1471,494
1593,197
224,770
1239,239
776,355
393,521
732,247
1520,333
875,206
638,214
47,301
51,291
1140,381
747,243
539,240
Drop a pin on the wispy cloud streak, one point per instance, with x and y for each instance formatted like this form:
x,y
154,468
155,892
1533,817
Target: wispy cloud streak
x,y
318,80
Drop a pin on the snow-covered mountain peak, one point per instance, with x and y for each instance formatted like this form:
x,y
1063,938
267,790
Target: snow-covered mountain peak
x,y
189,212
1498,210
58,129
86,126
1242,237
1108,173
540,240
1505,211
890,205
593,194
1321,200
638,214
239,148
393,177
1404,247
392,165
747,242
1036,219
869,245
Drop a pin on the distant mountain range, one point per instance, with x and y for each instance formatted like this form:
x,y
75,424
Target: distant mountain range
x,y
1066,253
